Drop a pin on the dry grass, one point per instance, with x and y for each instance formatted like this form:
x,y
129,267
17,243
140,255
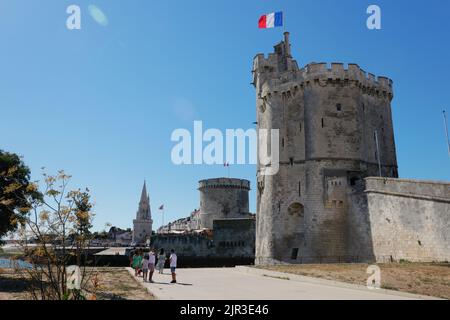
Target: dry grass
x,y
419,278
113,284
118,284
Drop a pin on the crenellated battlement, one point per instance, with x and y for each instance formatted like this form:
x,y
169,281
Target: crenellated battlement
x,y
224,183
278,73
351,72
289,82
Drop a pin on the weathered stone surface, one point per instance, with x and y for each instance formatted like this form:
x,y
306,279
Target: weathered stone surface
x,y
409,219
223,198
329,120
234,237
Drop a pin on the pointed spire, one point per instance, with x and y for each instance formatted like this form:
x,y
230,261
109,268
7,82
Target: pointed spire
x,y
144,211
144,195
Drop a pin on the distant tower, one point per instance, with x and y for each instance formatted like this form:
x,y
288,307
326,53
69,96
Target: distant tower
x,y
223,198
142,225
335,128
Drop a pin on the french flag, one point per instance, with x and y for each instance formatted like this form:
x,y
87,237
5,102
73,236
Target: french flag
x,y
271,20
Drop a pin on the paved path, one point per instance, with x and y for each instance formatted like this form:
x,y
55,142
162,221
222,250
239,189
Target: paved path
x,y
230,283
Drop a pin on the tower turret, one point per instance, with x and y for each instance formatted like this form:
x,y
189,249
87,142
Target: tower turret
x,y
327,117
223,198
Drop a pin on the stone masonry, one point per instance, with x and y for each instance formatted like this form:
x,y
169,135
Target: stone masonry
x,y
409,219
335,127
223,198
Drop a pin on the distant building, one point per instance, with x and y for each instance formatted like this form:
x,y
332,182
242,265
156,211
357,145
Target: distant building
x,y
187,224
120,237
142,225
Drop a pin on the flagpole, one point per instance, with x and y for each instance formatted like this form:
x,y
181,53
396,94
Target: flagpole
x,y
446,131
161,208
378,152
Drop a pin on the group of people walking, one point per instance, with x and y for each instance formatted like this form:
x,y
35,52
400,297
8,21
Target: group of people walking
x,y
144,263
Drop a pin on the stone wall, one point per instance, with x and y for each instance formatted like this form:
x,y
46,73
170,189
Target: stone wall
x,y
193,245
234,237
409,219
231,238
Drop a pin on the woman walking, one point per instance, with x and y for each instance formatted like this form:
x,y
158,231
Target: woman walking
x,y
137,263
145,267
161,261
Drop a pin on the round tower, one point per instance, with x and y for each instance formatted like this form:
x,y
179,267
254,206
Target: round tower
x,y
335,128
223,198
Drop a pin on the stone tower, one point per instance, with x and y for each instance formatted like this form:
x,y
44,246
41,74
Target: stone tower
x,y
223,198
142,225
330,121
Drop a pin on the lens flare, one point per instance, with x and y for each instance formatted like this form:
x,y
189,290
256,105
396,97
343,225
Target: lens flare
x,y
98,15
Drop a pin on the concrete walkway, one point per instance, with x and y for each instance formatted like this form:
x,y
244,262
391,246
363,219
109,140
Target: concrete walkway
x,y
243,284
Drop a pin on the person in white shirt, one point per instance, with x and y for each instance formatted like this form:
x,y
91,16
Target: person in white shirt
x,y
173,265
151,265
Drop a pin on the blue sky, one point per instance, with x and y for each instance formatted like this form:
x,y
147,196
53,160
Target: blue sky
x,y
102,102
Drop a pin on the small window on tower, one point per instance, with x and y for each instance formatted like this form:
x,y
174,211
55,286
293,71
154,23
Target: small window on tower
x,y
322,123
339,107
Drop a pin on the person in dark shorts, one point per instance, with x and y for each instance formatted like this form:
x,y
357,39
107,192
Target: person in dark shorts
x,y
173,265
